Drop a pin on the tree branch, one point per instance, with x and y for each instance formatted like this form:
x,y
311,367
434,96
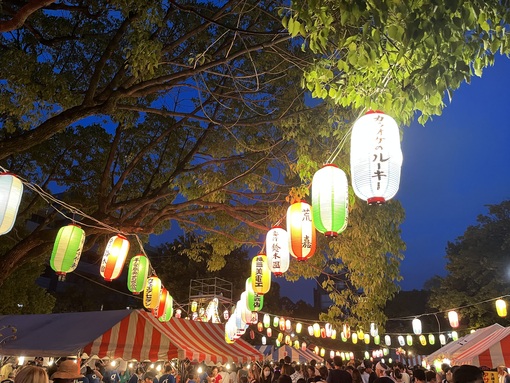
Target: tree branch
x,y
23,14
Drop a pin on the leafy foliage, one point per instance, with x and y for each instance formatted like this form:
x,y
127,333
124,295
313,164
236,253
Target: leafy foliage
x,y
402,57
146,115
478,269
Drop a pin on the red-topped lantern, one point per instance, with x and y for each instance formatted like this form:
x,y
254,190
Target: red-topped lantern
x,y
277,247
302,239
11,190
159,310
114,257
376,157
330,200
67,250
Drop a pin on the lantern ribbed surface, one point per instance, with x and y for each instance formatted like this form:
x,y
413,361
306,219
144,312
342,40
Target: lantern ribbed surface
x,y
301,231
138,272
260,274
151,292
11,190
277,247
376,157
67,249
255,302
114,257
330,200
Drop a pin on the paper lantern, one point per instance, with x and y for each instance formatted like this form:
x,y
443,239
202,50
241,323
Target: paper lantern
x,y
346,330
281,324
329,329
330,200
316,349
409,340
455,335
277,247
159,310
299,328
310,330
401,340
67,249
260,327
316,330
252,335
302,237
374,331
266,320
178,313
333,334
354,338
367,338
151,292
11,190
255,301
377,339
331,354
194,306
323,332
453,317
280,337
501,308
343,337
387,340
260,274
276,321
114,257
288,325
376,157
323,352
423,340
138,272
417,326
288,340
432,339
269,332
442,339
264,340
303,346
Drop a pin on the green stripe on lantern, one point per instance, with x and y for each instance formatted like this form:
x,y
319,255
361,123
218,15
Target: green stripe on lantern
x,y
255,302
330,200
67,249
168,311
137,273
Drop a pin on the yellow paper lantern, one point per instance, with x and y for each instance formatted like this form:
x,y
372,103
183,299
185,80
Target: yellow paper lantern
x,y
376,157
114,257
299,327
354,337
151,292
323,352
367,338
11,190
423,340
301,231
501,308
282,324
316,330
260,274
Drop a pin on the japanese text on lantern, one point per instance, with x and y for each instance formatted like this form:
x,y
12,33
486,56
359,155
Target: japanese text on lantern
x,y
134,275
307,243
256,301
258,271
276,251
378,155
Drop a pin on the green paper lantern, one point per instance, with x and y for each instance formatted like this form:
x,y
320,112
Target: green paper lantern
x,y
137,273
255,302
168,310
67,250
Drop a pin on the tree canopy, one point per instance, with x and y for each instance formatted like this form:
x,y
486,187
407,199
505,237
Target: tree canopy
x,y
477,269
148,114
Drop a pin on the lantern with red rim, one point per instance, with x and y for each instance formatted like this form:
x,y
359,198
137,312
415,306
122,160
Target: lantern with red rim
x,y
302,237
376,157
114,257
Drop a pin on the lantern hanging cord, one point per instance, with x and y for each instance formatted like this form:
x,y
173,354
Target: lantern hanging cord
x,y
342,142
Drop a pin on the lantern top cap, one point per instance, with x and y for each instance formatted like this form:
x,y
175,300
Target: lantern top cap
x,y
121,236
276,227
374,111
8,174
335,166
74,224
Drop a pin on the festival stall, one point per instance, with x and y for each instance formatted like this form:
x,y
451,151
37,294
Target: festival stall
x,y
453,349
297,355
125,334
492,351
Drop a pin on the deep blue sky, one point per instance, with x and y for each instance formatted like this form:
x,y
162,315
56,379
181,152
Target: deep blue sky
x,y
453,166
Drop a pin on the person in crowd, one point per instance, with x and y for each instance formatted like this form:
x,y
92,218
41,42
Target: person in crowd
x,y
381,370
233,374
431,376
31,374
267,374
225,375
101,368
356,376
253,375
287,369
137,377
297,374
396,375
284,379
372,376
311,374
6,369
337,374
93,375
468,374
243,371
215,375
313,363
503,375
149,377
10,378
67,372
419,376
167,376
192,377
406,378
301,380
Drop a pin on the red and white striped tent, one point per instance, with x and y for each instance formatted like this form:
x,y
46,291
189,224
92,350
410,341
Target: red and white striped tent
x,y
453,349
296,355
126,334
493,351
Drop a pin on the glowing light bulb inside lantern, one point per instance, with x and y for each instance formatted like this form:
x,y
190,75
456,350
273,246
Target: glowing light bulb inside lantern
x,y
501,308
453,317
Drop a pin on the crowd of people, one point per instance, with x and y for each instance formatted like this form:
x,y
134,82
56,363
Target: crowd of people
x,y
285,371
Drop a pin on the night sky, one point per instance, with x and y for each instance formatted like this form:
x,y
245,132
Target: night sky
x,y
453,166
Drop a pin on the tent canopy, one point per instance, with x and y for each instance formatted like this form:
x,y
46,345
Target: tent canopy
x,y
56,334
126,334
453,349
493,351
277,353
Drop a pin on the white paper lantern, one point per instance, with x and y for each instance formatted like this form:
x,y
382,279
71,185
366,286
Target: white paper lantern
x,y
277,249
376,157
417,326
11,190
